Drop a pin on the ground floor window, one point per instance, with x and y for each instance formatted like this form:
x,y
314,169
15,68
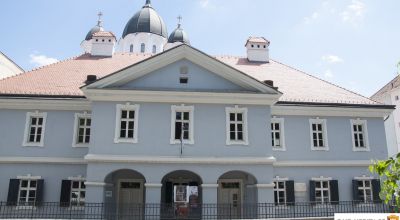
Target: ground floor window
x,y
78,193
322,191
27,192
280,192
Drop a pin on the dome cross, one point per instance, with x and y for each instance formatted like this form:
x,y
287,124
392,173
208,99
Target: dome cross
x,y
99,21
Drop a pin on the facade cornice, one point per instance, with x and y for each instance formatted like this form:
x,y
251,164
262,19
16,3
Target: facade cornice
x,y
323,163
45,104
181,97
95,158
42,160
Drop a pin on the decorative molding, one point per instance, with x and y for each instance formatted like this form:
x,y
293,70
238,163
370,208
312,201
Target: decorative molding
x,y
100,184
321,178
95,158
28,177
323,163
42,160
363,177
153,185
45,104
209,185
77,178
180,97
265,185
329,111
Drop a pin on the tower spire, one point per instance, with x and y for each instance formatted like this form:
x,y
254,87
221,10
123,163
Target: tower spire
x,y
148,2
179,21
99,21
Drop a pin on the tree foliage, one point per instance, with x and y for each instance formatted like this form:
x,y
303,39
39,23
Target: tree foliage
x,y
389,172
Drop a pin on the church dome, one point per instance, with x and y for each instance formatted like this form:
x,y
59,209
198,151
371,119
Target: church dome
x,y
179,35
92,31
146,20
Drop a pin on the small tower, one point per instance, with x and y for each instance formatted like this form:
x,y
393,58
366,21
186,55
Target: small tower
x,y
86,44
103,43
257,49
177,37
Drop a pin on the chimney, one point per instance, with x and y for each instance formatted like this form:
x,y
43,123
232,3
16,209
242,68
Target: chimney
x,y
257,49
103,44
90,79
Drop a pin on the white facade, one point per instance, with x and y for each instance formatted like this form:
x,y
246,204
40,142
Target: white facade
x,y
257,51
133,43
102,46
8,67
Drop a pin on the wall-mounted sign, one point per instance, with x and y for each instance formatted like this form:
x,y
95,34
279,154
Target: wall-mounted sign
x,y
108,193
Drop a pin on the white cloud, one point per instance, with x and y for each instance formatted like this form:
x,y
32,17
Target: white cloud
x,y
311,18
332,59
204,3
41,60
328,74
354,12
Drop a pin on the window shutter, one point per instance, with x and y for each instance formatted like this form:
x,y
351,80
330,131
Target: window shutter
x,y
376,189
334,190
356,196
169,188
290,198
65,196
312,191
39,192
13,189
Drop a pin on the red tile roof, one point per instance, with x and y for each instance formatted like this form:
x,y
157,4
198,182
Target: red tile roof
x,y
103,34
257,40
66,77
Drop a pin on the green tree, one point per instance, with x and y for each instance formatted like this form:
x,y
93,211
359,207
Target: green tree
x,y
389,172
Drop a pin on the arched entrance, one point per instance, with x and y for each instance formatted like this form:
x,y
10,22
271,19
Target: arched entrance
x,y
181,195
125,194
237,193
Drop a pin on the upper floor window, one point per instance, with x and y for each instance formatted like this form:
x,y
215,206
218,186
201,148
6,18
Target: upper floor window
x,y
277,134
142,48
154,49
126,123
182,124
131,48
319,138
359,135
34,129
236,126
82,129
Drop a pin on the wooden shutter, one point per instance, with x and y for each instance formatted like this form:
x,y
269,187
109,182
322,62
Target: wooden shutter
x,y
290,198
39,192
356,196
312,191
13,189
169,189
334,191
376,189
65,195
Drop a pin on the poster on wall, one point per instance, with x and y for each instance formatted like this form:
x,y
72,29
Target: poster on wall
x,y
193,195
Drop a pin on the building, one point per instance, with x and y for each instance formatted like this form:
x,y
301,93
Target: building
x,y
8,67
389,95
159,122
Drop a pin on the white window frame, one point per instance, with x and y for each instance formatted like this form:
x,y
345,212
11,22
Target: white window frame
x,y
81,180
276,180
281,122
322,179
28,178
30,115
126,107
177,108
243,111
75,138
365,134
364,188
324,134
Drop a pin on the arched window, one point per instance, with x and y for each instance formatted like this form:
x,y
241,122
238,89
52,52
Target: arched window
x,y
131,48
142,47
154,48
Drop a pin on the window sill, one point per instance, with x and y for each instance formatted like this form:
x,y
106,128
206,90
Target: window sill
x,y
320,148
363,149
80,145
32,144
175,142
279,149
243,143
127,141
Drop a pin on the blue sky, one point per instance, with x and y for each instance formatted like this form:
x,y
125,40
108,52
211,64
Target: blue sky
x,y
352,43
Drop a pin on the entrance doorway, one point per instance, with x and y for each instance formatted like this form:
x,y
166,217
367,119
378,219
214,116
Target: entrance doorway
x,y
230,198
181,195
130,199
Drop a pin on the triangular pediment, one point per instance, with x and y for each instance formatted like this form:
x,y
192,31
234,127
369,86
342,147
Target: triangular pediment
x,y
146,74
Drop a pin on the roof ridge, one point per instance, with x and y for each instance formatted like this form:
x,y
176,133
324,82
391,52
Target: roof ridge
x,y
391,81
315,77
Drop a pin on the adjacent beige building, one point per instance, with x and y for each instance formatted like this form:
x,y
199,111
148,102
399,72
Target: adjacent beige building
x,y
8,67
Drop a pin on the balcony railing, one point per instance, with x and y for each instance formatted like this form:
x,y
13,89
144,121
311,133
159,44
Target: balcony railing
x,y
54,210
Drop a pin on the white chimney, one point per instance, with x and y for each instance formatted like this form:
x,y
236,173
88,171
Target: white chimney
x,y
103,44
257,49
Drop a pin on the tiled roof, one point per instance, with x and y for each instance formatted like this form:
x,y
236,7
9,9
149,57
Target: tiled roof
x,y
66,77
257,40
296,86
393,84
103,34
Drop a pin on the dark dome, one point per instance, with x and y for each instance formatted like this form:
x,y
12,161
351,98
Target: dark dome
x,y
92,31
146,20
179,35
